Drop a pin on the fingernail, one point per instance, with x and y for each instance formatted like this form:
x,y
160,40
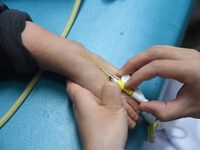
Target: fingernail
x,y
136,118
138,111
139,119
127,85
133,125
119,73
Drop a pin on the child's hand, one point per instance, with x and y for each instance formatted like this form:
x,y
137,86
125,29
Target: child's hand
x,y
168,62
102,122
71,59
88,75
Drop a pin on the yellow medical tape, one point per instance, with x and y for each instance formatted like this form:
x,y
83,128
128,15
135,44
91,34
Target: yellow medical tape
x,y
37,76
151,133
121,85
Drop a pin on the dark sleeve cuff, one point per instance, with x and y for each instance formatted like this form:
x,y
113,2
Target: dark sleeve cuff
x,y
2,7
12,23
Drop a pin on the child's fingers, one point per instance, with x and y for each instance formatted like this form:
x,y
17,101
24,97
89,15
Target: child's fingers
x,y
131,123
130,111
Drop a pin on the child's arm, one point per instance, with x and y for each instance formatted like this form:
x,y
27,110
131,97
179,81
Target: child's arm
x,y
25,47
65,57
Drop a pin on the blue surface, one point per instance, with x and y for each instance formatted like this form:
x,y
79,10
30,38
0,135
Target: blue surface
x,y
114,29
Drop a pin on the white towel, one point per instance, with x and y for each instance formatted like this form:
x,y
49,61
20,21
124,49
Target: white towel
x,y
181,134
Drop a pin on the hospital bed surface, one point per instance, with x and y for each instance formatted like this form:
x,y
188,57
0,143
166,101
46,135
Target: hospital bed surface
x,y
113,29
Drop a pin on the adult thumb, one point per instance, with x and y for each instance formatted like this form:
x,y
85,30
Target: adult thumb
x,y
111,95
164,111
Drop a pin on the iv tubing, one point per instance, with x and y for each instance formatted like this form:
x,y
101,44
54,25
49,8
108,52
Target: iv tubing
x,y
37,76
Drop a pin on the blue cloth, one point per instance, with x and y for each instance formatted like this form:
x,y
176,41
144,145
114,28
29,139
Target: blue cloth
x,y
113,29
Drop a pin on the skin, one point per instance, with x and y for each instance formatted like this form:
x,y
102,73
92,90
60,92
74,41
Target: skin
x,y
168,62
72,60
102,122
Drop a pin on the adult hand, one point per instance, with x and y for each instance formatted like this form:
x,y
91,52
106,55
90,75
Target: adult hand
x,y
168,62
102,123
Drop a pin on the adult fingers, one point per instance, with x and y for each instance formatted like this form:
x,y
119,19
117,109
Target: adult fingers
x,y
165,111
154,53
178,70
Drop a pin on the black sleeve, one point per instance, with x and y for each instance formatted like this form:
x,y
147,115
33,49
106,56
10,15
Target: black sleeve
x,y
14,57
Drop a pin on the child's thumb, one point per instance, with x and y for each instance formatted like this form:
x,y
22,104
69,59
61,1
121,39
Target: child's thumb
x,y
111,95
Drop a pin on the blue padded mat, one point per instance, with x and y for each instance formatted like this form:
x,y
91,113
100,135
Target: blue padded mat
x,y
113,29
